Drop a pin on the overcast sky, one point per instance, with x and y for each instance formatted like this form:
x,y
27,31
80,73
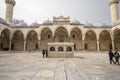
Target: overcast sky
x,y
92,11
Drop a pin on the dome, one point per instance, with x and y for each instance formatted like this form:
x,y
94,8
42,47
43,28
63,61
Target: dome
x,y
11,24
2,21
88,25
22,24
34,24
101,25
113,1
47,22
75,22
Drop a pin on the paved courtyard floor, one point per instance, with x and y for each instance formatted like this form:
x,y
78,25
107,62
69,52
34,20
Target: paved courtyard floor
x,y
31,66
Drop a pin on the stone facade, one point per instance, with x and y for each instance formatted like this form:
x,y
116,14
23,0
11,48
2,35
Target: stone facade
x,y
18,36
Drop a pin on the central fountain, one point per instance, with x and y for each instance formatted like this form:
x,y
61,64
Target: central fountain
x,y
61,50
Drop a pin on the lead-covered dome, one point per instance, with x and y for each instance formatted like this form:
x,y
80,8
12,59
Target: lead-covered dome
x,y
34,25
47,22
11,24
101,25
88,24
2,21
22,24
75,22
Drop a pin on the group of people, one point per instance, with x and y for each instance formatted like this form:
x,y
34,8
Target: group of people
x,y
114,57
45,53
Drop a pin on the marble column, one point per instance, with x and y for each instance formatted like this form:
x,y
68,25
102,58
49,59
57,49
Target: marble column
x,y
83,44
113,46
98,45
10,44
24,44
39,44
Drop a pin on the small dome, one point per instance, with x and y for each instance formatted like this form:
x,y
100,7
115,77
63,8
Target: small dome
x,y
88,25
75,22
101,25
2,21
22,24
34,25
11,24
47,22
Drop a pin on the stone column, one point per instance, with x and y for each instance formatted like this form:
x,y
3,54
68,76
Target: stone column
x,y
24,44
83,44
98,46
113,46
10,44
39,44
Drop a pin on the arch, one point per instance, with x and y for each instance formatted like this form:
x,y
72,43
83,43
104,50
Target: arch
x,y
76,38
61,35
60,49
117,38
52,49
69,49
46,36
32,40
105,41
17,42
5,39
90,41
44,28
16,31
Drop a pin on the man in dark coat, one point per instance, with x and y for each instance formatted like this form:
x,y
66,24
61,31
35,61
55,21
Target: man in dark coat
x,y
116,55
43,53
111,55
46,53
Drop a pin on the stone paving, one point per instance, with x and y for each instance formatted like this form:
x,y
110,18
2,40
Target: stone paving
x,y
31,66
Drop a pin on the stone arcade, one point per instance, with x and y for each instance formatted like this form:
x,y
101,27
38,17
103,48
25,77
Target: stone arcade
x,y
18,36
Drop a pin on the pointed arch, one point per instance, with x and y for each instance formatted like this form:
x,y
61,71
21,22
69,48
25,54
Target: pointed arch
x,y
90,41
32,40
61,35
105,41
76,38
46,36
17,42
117,38
5,39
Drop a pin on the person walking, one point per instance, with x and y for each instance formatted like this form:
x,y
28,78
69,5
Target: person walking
x,y
111,55
116,55
43,53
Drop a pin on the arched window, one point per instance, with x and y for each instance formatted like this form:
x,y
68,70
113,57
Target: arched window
x,y
60,49
69,49
52,49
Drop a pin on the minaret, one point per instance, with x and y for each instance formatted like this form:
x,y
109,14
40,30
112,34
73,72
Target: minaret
x,y
9,10
114,10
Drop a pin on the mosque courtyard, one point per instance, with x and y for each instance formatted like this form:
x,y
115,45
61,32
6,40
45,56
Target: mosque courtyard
x,y
31,66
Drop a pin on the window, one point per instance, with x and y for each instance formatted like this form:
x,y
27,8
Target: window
x,y
69,49
60,49
52,49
